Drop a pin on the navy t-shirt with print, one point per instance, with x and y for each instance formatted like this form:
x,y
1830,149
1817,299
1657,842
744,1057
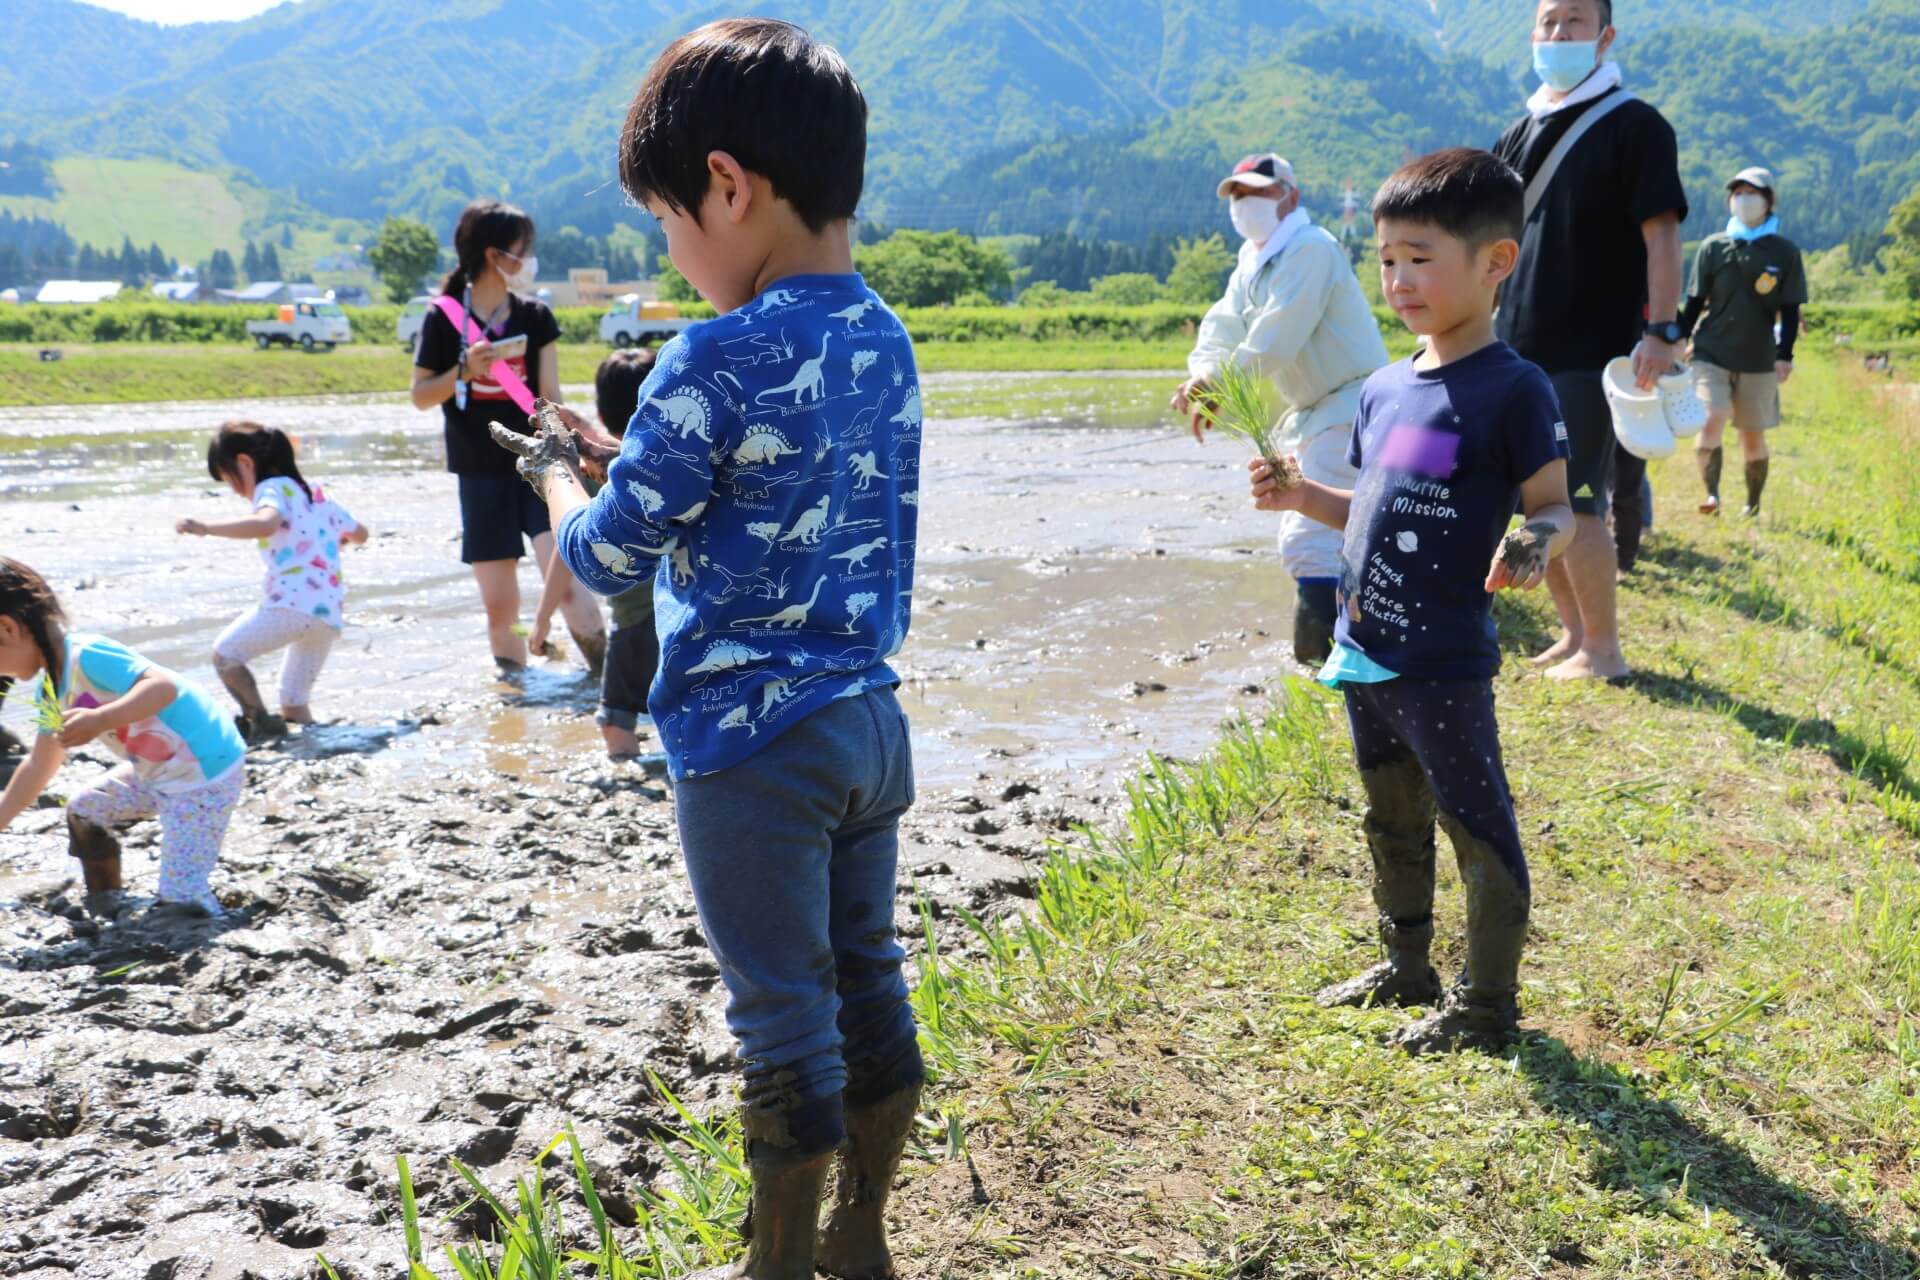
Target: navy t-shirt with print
x,y
1442,454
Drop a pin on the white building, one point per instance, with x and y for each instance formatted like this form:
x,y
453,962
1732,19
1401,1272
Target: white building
x,y
79,292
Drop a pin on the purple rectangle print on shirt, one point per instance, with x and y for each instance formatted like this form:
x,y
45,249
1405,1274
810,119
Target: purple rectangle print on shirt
x,y
1421,450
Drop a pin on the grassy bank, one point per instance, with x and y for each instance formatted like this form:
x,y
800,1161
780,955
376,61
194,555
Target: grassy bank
x,y
123,373
1722,1075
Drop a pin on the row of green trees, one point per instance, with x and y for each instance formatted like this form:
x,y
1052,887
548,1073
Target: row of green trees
x,y
406,252
913,268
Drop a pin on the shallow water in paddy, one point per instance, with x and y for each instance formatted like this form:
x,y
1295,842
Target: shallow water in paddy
x,y
455,926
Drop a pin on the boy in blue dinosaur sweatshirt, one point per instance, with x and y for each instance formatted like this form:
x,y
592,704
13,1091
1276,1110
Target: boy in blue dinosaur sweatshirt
x,y
768,484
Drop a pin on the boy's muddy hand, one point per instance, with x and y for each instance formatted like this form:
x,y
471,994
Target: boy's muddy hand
x,y
190,526
551,448
1279,489
1521,561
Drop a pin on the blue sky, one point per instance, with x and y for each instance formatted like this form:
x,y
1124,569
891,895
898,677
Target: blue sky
x,y
174,12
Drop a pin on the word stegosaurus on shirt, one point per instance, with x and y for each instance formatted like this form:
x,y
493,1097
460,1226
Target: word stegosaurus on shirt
x,y
769,484
1442,454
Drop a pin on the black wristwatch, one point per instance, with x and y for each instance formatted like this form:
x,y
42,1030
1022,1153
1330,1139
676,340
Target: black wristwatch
x,y
1668,332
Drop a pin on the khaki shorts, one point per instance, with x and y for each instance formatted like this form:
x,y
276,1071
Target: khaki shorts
x,y
1754,398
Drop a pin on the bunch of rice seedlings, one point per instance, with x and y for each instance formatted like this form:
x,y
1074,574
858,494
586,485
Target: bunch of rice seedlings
x,y
47,713
1241,403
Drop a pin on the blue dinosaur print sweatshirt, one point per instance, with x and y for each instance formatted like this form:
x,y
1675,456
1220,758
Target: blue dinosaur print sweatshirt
x,y
769,483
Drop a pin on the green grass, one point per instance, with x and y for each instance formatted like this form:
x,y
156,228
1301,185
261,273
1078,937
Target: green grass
x,y
130,372
1722,1074
121,373
187,213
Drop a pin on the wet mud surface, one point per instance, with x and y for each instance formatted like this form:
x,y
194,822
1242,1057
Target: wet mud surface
x,y
454,927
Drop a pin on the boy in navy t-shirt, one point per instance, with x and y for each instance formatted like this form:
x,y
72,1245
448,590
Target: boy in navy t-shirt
x,y
767,486
1448,443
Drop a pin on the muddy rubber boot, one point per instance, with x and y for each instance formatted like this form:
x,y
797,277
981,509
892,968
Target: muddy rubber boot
x,y
1313,619
99,854
1756,485
1405,978
593,648
781,1223
1483,1009
853,1243
1399,827
1710,462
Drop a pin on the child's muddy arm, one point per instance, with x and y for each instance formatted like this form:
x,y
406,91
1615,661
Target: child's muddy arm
x,y
31,778
150,695
1547,530
552,595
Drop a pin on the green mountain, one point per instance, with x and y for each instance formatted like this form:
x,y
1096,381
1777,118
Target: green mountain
x,y
1107,117
1834,112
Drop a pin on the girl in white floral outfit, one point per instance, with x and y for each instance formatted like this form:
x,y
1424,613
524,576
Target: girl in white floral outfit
x,y
300,532
184,763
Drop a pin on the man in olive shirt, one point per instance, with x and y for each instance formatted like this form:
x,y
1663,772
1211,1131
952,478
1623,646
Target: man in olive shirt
x,y
1745,278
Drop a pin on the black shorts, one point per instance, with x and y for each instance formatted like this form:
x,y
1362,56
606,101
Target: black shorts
x,y
496,514
1590,439
632,655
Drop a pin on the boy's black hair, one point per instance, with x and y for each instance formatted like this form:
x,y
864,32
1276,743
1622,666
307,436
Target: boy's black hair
x,y
270,448
1471,195
484,225
616,387
28,600
765,92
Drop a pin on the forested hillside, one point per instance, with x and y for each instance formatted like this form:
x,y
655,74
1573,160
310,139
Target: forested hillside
x,y
1106,119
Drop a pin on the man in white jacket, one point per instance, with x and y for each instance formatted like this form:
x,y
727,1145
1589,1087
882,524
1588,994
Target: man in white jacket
x,y
1294,312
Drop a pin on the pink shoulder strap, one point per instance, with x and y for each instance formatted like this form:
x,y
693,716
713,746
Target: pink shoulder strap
x,y
502,373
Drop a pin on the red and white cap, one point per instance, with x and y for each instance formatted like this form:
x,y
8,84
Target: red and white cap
x,y
1257,173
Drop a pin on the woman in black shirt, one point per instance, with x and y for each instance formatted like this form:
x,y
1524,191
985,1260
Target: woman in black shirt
x,y
498,511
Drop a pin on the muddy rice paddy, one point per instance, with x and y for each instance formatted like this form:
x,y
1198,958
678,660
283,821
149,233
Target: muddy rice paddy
x,y
453,926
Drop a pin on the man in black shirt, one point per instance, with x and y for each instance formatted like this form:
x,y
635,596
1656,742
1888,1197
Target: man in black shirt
x,y
1598,276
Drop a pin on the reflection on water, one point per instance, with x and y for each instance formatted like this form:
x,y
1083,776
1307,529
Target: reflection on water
x,y
69,454
1092,584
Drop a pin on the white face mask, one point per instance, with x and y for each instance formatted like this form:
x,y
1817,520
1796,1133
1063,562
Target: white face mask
x,y
1255,217
523,278
1750,207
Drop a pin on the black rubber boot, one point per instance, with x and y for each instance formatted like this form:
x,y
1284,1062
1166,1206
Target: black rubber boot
x,y
1404,978
853,1243
1483,1009
1313,619
1756,485
1399,827
782,1220
1710,461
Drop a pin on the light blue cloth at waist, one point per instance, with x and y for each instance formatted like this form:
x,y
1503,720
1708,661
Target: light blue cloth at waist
x,y
1347,665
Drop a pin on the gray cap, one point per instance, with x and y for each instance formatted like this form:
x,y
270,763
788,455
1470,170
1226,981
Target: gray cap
x,y
1754,177
1259,173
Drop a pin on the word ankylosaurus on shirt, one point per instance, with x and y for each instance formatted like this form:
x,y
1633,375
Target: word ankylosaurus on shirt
x,y
769,483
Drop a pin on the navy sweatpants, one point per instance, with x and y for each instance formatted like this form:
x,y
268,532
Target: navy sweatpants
x,y
1449,728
